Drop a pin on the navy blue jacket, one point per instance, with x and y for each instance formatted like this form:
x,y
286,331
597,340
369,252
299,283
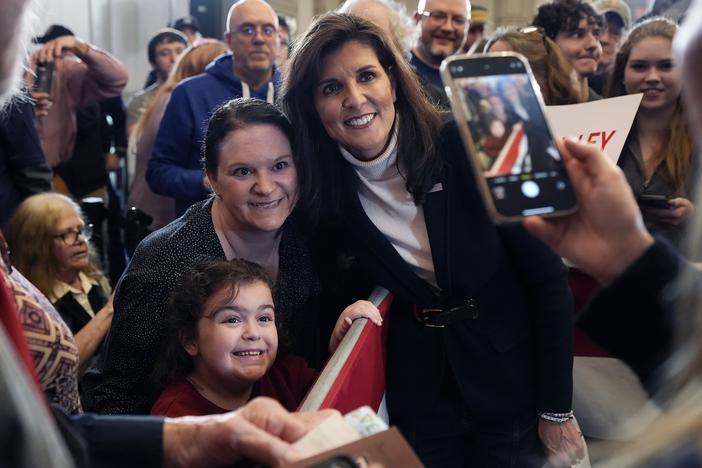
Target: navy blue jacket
x,y
174,169
514,357
23,168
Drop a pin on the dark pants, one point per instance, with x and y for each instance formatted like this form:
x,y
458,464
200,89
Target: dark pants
x,y
447,436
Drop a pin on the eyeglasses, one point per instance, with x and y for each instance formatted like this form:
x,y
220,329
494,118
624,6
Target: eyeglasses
x,y
440,17
249,30
70,236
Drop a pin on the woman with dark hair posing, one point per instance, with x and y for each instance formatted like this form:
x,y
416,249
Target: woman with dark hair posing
x,y
479,350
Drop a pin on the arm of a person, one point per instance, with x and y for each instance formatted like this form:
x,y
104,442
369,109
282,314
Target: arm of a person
x,y
261,431
89,337
99,76
359,309
551,306
634,317
133,341
26,162
170,169
147,137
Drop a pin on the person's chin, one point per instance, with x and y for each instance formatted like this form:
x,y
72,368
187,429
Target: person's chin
x,y
440,52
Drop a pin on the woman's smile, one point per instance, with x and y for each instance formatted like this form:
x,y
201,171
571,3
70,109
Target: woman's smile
x,y
355,100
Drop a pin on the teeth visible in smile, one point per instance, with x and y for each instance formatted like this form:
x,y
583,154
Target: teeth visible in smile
x,y
270,204
249,353
360,121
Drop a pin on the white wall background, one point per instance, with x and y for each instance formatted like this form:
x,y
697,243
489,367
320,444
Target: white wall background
x,y
124,26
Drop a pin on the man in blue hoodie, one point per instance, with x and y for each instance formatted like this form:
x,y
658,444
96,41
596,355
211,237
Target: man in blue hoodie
x,y
252,34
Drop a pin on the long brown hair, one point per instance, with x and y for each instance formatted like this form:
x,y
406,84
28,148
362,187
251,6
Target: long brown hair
x,y
191,62
677,148
419,121
551,70
29,234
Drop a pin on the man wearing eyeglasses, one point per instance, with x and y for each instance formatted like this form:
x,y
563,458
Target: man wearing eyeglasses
x,y
443,26
252,35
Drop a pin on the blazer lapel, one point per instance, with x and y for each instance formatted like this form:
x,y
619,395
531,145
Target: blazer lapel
x,y
436,216
366,233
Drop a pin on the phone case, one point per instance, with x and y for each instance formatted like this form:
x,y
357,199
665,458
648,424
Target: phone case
x,y
454,94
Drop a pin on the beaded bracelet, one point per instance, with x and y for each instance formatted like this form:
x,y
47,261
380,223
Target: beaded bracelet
x,y
557,417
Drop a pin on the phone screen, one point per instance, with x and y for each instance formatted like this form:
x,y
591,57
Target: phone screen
x,y
496,98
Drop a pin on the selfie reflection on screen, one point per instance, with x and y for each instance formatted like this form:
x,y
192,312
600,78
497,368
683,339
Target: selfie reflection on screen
x,y
507,126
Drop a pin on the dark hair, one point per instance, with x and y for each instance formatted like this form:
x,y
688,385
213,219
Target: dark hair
x,y
564,15
205,278
283,23
165,36
419,121
237,114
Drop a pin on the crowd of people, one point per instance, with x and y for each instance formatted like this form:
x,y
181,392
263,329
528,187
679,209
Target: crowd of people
x,y
280,177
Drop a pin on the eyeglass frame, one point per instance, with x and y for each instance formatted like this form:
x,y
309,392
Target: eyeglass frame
x,y
86,231
432,15
255,28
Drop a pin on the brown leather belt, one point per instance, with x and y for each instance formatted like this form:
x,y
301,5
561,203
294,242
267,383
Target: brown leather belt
x,y
440,318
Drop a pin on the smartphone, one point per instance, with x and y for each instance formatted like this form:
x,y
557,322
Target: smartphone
x,y
44,77
500,115
653,201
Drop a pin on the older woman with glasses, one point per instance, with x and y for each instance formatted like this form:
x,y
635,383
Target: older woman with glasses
x,y
479,346
48,241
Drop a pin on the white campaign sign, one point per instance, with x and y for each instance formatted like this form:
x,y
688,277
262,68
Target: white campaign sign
x,y
605,123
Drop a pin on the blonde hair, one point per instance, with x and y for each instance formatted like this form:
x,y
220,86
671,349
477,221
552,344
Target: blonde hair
x,y
191,62
676,149
30,236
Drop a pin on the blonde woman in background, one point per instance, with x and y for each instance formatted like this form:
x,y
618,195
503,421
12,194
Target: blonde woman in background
x,y
49,243
192,62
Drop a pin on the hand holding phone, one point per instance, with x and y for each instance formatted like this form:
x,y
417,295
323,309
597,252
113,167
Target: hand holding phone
x,y
500,116
660,202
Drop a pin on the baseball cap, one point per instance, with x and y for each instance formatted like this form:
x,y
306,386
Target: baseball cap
x,y
618,7
187,22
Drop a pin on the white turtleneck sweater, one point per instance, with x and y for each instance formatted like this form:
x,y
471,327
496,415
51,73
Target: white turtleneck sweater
x,y
388,204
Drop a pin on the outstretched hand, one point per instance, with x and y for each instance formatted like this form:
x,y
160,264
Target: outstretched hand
x,y
262,431
607,233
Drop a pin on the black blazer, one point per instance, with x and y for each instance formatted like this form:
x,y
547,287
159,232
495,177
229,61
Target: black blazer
x,y
513,359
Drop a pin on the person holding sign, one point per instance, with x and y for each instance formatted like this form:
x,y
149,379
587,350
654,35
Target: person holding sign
x,y
657,156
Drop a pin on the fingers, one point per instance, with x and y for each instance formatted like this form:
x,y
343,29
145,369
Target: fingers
x,y
364,309
263,447
311,419
593,160
550,231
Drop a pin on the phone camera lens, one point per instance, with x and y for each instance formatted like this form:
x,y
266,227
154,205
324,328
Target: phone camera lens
x,y
459,68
